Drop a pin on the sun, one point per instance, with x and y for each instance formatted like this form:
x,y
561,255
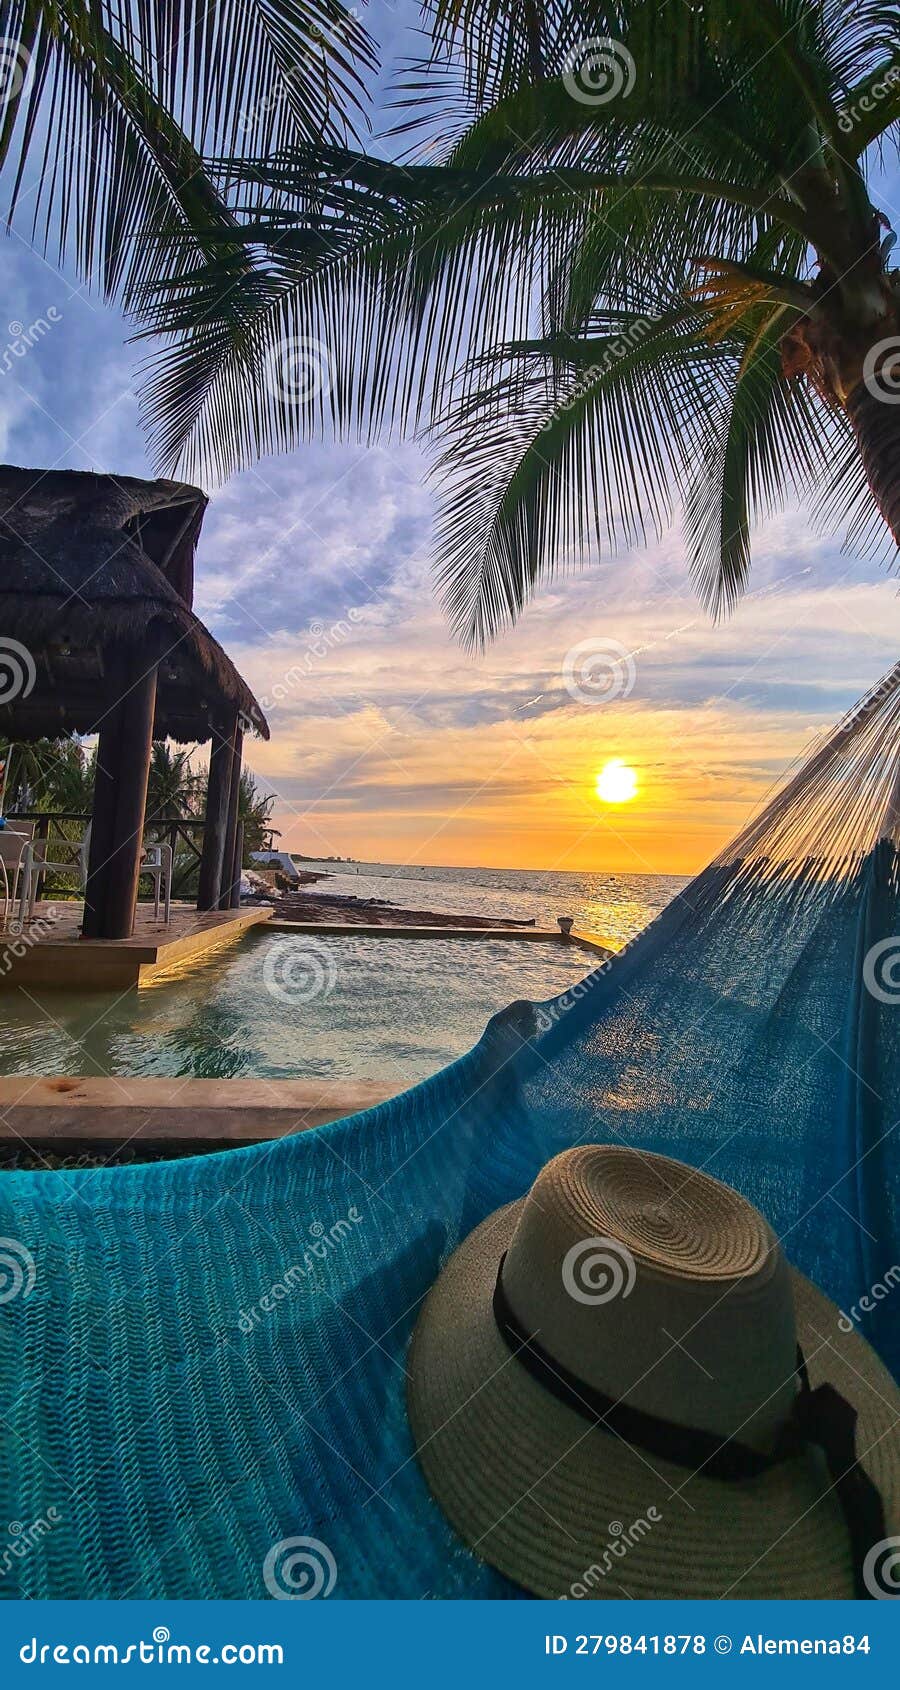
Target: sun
x,y
616,783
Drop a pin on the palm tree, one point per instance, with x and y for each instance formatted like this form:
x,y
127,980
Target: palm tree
x,y
172,787
69,784
255,812
55,776
105,110
24,771
647,273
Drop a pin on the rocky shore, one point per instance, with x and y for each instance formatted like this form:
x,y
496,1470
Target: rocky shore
x,y
292,905
373,912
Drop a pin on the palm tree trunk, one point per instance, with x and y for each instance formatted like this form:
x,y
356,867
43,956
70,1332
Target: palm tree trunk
x,y
874,414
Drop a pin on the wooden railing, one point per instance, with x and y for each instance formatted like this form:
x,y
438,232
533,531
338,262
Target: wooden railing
x,y
165,830
49,825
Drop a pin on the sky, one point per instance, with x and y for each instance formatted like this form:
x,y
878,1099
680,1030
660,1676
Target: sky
x,y
389,741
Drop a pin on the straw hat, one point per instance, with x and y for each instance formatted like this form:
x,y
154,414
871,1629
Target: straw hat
x,y
605,1397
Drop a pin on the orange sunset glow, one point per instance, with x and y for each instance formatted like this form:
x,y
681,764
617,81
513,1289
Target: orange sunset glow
x,y
384,778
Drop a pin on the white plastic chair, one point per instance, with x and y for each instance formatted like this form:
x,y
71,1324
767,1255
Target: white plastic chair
x,y
157,863
13,845
36,863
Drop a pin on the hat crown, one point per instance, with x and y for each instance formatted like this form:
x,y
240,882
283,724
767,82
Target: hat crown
x,y
658,1286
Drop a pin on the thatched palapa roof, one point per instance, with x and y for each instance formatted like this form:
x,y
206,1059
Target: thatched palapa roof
x,y
91,563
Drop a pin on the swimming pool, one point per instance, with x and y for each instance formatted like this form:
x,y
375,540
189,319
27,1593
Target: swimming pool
x,y
286,1006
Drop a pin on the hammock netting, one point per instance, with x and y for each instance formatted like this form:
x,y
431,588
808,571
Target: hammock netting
x,y
211,1359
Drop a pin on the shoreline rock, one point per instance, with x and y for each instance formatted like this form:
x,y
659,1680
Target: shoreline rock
x,y
373,912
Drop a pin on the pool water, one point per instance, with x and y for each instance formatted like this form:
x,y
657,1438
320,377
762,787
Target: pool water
x,y
285,1006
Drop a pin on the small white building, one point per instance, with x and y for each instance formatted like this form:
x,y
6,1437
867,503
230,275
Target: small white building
x,y
281,860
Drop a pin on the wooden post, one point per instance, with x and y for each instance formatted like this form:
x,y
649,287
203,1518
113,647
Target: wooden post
x,y
123,869
42,837
235,899
218,794
234,792
102,822
120,801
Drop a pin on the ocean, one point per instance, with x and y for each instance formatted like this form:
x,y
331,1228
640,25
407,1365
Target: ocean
x,y
615,905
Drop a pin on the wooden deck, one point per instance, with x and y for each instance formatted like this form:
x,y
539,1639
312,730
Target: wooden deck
x,y
71,1116
51,951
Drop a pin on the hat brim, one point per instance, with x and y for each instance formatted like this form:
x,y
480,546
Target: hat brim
x,y
566,1509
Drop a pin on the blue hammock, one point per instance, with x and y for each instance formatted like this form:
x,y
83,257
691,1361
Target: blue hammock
x,y
211,1361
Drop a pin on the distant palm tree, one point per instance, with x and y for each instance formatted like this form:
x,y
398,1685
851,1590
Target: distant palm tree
x,y
646,273
69,783
255,811
106,109
24,771
55,776
173,787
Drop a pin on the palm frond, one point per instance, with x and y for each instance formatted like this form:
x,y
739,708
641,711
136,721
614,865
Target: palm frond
x,y
112,108
713,191
764,441
573,449
498,45
401,271
844,503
